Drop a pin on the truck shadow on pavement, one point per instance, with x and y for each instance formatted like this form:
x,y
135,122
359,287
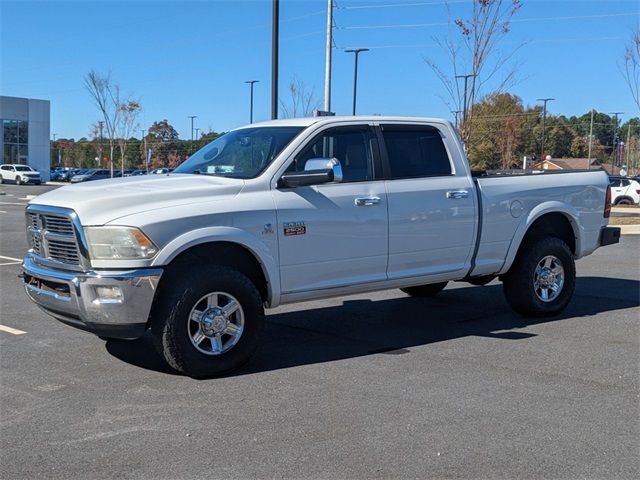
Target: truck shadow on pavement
x,y
392,326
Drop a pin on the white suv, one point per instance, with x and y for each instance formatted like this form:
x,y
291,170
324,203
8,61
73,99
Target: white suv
x,y
19,174
624,191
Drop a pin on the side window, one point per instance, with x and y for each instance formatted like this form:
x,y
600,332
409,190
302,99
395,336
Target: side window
x,y
624,182
351,146
6,167
415,151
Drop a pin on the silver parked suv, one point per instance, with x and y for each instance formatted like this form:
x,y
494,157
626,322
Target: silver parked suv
x,y
19,174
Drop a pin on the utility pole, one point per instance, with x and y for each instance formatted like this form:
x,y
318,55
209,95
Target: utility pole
x,y
355,51
456,113
251,82
275,14
590,141
144,149
464,108
100,126
615,135
327,61
55,149
191,146
544,121
626,149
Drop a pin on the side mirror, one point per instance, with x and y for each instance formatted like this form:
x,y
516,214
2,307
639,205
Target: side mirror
x,y
316,171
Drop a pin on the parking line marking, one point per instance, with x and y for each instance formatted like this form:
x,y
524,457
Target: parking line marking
x,y
14,331
8,203
10,258
9,263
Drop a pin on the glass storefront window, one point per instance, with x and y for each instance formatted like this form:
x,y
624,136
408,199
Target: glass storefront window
x,y
15,134
23,132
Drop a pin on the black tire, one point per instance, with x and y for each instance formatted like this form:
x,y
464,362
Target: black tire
x,y
624,201
182,291
519,284
18,180
429,290
1,180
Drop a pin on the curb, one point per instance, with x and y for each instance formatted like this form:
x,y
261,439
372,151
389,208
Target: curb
x,y
629,229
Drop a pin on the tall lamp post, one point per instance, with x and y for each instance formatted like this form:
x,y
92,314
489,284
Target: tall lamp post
x,y
56,149
613,144
544,121
464,107
356,52
192,117
251,83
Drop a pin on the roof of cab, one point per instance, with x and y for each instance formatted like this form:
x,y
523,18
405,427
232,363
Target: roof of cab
x,y
308,121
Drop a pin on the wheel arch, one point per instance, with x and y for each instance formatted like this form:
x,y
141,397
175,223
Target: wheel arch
x,y
225,246
553,219
624,198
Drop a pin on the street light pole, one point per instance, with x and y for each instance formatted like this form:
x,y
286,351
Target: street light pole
x,y
144,150
355,51
327,57
613,144
275,25
464,108
192,117
544,121
251,82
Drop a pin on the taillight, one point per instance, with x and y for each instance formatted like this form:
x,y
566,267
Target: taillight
x,y
607,203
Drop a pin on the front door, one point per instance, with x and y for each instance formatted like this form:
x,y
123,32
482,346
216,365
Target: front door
x,y
334,234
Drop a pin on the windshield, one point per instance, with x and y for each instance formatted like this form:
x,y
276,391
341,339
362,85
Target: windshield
x,y
241,153
23,168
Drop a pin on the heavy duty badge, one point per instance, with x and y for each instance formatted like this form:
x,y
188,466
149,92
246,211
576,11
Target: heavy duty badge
x,y
294,228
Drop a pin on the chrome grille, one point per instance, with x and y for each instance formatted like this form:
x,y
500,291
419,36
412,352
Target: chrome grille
x,y
63,251
52,237
57,224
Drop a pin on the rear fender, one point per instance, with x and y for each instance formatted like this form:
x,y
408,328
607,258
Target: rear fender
x,y
569,211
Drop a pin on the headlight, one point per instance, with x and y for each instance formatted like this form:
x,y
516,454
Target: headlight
x,y
119,243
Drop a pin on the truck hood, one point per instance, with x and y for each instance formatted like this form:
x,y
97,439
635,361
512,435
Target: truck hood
x,y
103,201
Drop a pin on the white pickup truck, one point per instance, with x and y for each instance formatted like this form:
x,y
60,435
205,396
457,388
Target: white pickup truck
x,y
293,210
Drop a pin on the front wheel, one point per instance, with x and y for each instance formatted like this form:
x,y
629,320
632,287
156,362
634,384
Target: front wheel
x,y
429,290
542,278
18,180
207,320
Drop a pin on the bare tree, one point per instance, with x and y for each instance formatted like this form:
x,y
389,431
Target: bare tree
x,y
106,96
127,123
472,48
303,101
631,66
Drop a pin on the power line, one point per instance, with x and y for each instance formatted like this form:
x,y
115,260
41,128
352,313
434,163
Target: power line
x,y
392,5
517,20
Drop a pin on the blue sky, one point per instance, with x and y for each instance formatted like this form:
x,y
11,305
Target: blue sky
x,y
184,58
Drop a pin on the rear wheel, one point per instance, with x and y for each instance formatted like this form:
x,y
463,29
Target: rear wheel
x,y
624,201
1,180
429,290
542,278
207,320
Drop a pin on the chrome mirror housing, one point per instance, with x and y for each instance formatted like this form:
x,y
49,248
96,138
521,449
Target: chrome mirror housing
x,y
333,164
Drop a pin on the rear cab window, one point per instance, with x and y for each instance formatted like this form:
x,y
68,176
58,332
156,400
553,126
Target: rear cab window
x,y
415,151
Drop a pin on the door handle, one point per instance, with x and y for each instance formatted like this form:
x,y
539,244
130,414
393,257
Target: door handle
x,y
457,194
367,201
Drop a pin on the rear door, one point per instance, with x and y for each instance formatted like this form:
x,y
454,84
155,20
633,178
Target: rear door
x,y
432,212
334,234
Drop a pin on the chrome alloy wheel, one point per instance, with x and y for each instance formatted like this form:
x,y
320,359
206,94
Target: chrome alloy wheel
x,y
548,278
215,323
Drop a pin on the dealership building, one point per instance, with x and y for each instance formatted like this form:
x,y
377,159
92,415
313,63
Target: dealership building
x,y
25,133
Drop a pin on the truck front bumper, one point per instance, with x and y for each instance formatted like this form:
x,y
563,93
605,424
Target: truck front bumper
x,y
113,304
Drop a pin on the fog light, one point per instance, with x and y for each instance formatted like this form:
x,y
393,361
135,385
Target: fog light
x,y
108,295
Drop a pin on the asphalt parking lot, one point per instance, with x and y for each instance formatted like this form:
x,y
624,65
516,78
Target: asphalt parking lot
x,y
367,386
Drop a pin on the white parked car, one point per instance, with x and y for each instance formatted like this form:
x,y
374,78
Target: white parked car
x,y
300,209
624,191
19,174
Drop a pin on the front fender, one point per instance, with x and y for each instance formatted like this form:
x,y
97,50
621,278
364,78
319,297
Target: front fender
x,y
258,248
568,210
